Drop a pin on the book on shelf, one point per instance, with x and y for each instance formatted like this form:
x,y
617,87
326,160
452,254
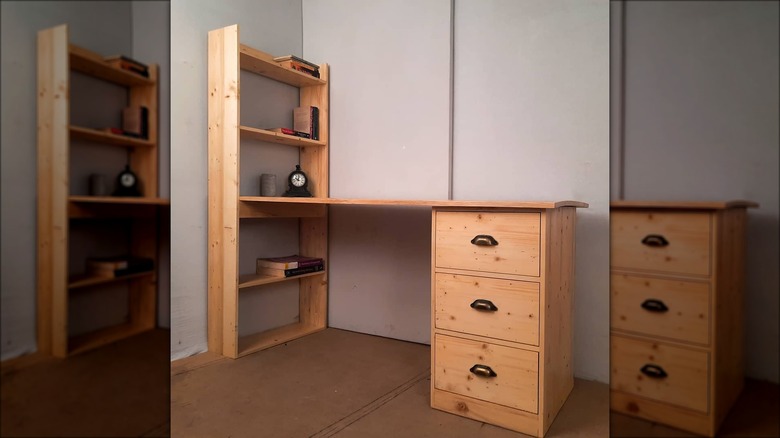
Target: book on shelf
x,y
288,131
129,64
288,262
307,119
135,121
293,58
291,272
118,266
120,131
301,68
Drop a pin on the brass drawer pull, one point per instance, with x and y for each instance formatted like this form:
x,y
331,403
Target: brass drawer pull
x,y
656,240
484,305
654,371
484,240
483,371
653,305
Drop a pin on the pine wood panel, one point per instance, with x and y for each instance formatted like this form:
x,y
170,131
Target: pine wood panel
x,y
263,64
494,206
92,64
487,412
53,165
517,234
683,205
659,412
223,144
143,161
688,235
250,133
688,317
515,385
314,160
557,372
266,210
313,292
143,290
517,317
80,133
686,384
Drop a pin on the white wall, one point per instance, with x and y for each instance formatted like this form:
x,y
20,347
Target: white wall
x,y
103,27
269,25
389,139
701,123
531,121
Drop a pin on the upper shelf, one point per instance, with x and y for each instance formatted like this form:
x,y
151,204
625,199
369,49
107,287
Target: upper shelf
x,y
277,137
90,63
118,200
263,64
80,133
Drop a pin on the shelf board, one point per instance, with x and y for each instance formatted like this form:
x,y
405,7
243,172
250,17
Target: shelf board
x,y
86,280
92,64
269,338
412,202
251,280
80,133
98,338
277,137
263,64
118,200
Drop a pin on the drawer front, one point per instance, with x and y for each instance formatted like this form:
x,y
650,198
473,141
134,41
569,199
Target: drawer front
x,y
661,372
663,242
502,309
673,309
506,243
464,367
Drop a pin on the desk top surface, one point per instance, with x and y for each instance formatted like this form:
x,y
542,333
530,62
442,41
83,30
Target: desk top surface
x,y
685,205
417,203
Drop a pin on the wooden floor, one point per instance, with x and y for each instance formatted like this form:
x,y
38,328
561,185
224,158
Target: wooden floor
x,y
122,389
342,384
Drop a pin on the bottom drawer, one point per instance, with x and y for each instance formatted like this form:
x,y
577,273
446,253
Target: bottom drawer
x,y
658,371
503,375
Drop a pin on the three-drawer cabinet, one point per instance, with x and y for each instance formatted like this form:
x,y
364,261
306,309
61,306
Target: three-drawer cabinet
x,y
677,273
501,338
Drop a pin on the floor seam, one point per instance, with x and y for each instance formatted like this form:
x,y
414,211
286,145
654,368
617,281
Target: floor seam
x,y
343,423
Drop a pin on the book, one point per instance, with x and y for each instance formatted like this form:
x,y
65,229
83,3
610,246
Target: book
x,y
288,262
118,266
129,64
135,120
310,65
301,68
289,131
119,131
271,272
307,119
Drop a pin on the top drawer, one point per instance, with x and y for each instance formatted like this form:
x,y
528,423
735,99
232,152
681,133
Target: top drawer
x,y
506,243
673,242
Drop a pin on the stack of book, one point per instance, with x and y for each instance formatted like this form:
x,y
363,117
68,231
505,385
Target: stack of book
x,y
307,119
129,64
288,131
289,266
295,63
118,266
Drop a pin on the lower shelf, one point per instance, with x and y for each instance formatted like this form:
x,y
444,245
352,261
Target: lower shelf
x,y
98,338
251,280
85,280
269,338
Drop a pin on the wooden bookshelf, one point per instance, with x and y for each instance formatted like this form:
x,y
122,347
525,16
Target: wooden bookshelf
x,y
92,64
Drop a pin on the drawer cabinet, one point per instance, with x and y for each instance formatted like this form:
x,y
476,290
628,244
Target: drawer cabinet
x,y
501,309
676,311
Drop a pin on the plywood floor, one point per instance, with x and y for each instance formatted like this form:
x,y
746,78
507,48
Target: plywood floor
x,y
122,389
342,384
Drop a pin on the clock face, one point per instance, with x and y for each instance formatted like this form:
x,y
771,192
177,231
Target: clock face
x,y
298,180
127,180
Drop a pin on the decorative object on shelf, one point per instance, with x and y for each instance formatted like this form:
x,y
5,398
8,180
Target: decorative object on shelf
x,y
135,121
298,183
298,64
288,131
127,183
307,119
267,184
97,185
128,64
288,262
118,266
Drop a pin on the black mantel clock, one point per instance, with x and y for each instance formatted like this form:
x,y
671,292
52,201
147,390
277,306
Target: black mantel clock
x,y
127,183
297,184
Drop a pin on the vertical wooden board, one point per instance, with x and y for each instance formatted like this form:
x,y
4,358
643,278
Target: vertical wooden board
x,y
313,292
314,160
144,161
433,305
727,379
143,291
223,148
53,138
558,338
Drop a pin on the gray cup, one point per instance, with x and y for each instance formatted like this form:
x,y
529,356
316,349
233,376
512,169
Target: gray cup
x,y
98,185
267,184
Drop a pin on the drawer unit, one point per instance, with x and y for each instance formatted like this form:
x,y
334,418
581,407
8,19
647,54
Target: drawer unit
x,y
506,243
676,311
661,372
490,307
504,375
669,242
501,310
673,309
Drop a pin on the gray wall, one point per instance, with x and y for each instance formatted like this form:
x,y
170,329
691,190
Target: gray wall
x,y
701,123
271,26
103,27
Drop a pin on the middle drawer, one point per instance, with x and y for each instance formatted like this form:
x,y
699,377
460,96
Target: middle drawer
x,y
501,309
